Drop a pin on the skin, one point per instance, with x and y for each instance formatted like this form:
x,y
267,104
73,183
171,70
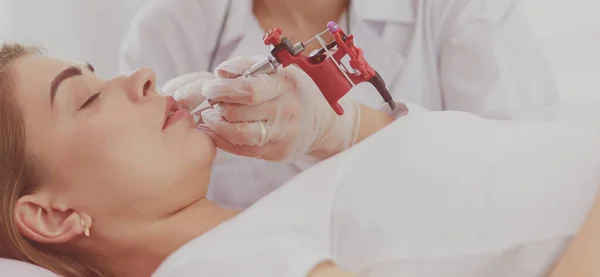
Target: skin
x,y
301,20
581,257
329,270
110,163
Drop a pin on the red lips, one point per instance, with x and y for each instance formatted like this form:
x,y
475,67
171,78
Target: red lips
x,y
174,112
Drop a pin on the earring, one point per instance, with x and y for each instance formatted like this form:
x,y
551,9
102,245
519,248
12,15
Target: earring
x,y
86,229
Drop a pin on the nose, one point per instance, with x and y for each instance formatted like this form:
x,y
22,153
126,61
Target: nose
x,y
140,84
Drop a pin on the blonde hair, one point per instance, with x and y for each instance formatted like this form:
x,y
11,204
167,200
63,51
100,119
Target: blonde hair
x,y
19,176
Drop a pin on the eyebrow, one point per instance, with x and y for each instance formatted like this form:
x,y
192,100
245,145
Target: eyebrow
x,y
71,71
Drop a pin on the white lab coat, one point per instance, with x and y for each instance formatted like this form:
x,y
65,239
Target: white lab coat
x,y
478,56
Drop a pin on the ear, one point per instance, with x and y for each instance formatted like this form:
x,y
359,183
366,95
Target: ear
x,y
41,220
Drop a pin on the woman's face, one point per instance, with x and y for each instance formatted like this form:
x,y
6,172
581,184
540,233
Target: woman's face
x,y
106,146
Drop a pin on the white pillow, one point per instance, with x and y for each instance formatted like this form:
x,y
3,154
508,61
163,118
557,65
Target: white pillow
x,y
22,269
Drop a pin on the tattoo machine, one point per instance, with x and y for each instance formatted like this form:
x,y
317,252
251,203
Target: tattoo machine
x,y
324,65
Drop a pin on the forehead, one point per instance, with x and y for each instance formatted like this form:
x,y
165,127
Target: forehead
x,y
33,75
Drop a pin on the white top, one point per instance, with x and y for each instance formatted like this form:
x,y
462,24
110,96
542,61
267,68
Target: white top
x,y
433,194
479,56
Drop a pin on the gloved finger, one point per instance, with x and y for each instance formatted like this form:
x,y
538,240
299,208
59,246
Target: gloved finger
x,y
248,91
178,82
190,94
272,151
243,113
235,67
240,150
239,133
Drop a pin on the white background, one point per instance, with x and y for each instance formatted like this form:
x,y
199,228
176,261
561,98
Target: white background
x,y
87,30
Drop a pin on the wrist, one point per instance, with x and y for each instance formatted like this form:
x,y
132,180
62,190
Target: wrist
x,y
340,132
362,123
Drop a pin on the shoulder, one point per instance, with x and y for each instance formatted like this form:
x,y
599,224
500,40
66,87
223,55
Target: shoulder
x,y
282,264
489,6
439,18
433,10
457,11
248,245
287,231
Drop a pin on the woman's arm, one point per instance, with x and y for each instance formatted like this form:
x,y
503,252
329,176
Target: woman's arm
x,y
581,258
329,270
369,122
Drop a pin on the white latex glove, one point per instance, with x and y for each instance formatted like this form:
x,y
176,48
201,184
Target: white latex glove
x,y
187,89
298,119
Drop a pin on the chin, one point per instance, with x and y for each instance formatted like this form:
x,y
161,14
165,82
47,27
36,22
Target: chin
x,y
202,148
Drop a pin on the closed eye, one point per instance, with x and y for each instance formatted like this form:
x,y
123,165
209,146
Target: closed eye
x,y
89,101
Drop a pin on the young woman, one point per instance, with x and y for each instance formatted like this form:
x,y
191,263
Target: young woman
x,y
108,178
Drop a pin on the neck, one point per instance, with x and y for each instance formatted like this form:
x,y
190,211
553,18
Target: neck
x,y
306,14
167,236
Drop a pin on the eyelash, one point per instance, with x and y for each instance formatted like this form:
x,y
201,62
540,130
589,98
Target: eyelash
x,y
89,101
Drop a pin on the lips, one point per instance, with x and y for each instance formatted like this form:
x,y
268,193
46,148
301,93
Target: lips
x,y
172,112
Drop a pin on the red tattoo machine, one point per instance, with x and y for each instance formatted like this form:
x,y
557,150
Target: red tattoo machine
x,y
324,66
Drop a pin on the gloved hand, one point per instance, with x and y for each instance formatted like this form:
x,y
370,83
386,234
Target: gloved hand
x,y
187,89
275,117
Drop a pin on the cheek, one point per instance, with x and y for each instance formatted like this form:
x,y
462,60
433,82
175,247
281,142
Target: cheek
x,y
107,152
115,164
201,150
109,142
